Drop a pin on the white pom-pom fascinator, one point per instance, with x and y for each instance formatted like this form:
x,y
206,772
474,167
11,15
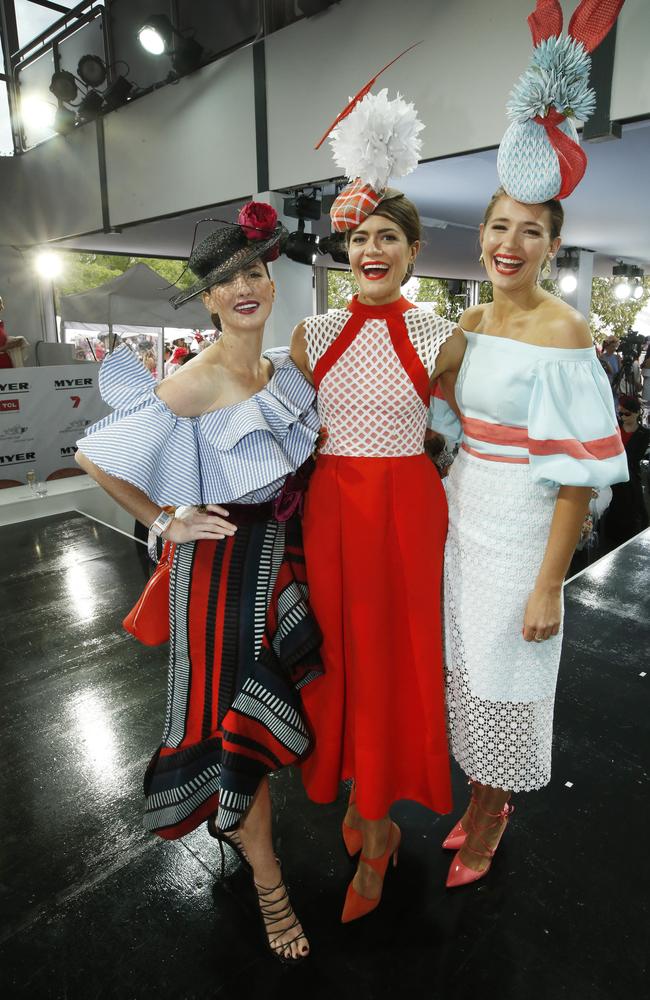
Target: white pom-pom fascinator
x,y
373,139
539,157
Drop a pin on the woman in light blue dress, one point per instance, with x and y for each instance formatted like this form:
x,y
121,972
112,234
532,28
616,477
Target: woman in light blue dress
x,y
538,432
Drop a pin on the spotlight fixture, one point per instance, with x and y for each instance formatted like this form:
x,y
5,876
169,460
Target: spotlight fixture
x,y
117,94
637,282
156,35
64,86
36,112
92,70
302,206
64,120
49,265
300,246
567,264
90,106
335,246
159,36
621,273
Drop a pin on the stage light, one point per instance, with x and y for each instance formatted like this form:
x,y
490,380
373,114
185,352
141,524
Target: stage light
x,y
302,206
117,94
64,120
36,112
637,277
568,263
64,86
92,70
159,36
156,35
49,265
335,246
90,106
568,282
300,246
621,273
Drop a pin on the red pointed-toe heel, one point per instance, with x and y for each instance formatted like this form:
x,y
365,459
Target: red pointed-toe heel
x,y
462,874
352,838
356,905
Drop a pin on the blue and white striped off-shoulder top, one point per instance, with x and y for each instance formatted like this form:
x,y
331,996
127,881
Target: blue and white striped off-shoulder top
x,y
241,453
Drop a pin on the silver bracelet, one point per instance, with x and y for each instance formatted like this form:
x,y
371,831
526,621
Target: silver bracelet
x,y
156,529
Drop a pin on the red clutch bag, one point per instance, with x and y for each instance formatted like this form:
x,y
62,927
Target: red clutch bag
x,y
148,619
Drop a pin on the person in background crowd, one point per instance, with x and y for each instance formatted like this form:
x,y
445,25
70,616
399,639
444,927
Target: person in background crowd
x,y
13,350
645,374
180,356
609,359
627,513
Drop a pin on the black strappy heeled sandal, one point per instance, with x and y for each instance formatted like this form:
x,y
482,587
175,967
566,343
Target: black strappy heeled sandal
x,y
273,911
233,840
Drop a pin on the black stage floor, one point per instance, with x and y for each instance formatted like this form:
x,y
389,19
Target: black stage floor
x,y
95,908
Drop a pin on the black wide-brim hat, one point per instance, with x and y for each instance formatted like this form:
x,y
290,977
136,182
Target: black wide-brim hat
x,y
224,252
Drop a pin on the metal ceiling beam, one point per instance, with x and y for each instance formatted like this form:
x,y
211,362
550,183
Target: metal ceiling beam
x,y
9,38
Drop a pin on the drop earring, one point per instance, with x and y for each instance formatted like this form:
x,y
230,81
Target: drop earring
x,y
546,270
480,260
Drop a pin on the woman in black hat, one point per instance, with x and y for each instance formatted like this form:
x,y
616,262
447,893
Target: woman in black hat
x,y
220,438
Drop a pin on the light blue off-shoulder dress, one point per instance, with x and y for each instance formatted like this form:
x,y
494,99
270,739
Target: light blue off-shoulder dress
x,y
533,419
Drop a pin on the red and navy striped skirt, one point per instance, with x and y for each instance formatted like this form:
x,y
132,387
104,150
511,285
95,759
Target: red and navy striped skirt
x,y
243,642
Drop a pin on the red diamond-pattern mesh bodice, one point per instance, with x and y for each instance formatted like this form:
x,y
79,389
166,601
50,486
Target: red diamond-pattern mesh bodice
x,y
367,401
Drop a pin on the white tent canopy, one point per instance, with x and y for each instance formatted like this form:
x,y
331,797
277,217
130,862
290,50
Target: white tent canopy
x,y
136,298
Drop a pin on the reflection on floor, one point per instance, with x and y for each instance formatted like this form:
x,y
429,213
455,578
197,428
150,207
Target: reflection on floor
x,y
93,907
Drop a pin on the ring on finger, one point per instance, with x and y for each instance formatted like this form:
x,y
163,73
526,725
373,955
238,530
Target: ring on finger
x,y
539,638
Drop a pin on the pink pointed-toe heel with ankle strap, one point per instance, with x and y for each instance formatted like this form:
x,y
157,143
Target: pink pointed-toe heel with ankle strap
x,y
462,874
457,837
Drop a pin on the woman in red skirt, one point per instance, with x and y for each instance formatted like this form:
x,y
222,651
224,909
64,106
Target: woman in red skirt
x,y
374,531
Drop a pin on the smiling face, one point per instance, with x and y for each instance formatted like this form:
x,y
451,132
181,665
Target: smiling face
x,y
379,255
516,242
245,301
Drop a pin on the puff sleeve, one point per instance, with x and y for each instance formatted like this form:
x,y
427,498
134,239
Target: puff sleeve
x,y
573,434
240,453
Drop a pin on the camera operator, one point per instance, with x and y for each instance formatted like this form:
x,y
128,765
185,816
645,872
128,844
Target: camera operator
x,y
620,359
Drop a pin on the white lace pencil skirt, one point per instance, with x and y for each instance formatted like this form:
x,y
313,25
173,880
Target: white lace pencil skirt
x,y
500,689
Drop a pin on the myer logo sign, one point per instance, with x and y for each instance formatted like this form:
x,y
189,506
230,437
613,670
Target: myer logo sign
x,y
20,458
12,387
69,450
72,383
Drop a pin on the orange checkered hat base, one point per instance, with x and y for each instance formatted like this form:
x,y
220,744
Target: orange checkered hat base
x,y
354,204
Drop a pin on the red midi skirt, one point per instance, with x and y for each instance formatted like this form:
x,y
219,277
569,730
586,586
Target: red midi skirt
x,y
374,533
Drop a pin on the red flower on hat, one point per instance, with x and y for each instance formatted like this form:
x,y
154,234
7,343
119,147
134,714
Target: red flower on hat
x,y
258,220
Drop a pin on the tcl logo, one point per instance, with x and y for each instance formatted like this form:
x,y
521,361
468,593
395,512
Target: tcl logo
x,y
9,404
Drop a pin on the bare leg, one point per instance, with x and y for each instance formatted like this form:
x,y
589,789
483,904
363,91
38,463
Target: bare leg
x,y
254,835
483,830
375,841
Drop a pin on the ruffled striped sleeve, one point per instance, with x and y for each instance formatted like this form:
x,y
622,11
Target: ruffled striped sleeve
x,y
573,436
